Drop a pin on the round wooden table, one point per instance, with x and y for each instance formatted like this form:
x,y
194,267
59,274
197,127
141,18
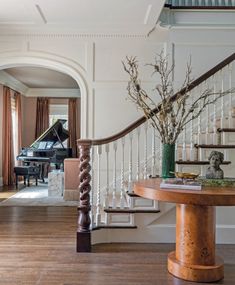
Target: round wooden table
x,y
194,257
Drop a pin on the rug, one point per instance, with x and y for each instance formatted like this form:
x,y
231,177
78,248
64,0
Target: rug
x,y
36,196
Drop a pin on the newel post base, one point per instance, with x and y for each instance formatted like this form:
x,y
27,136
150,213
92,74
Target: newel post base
x,y
84,221
84,242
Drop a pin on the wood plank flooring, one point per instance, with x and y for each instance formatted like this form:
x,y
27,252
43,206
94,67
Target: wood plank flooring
x,y
8,191
37,246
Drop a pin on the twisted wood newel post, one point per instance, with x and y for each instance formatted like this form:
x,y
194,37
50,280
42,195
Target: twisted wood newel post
x,y
84,221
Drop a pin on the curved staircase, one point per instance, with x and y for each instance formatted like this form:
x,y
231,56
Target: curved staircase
x,y
110,166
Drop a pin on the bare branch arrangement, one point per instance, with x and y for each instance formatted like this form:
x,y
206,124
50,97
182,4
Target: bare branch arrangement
x,y
174,111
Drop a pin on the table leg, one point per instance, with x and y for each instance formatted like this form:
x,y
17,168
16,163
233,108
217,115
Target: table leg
x,y
194,258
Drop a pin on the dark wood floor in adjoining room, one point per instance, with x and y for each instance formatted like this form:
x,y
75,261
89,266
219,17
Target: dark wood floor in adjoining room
x,y
37,246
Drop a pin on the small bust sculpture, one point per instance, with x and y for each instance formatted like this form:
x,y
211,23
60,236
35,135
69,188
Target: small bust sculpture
x,y
214,171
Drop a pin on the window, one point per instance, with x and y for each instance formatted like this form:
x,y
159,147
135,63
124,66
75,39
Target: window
x,y
58,111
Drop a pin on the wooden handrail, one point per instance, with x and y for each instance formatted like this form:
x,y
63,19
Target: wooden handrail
x,y
140,121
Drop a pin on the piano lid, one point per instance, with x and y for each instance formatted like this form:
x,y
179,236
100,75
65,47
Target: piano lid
x,y
54,135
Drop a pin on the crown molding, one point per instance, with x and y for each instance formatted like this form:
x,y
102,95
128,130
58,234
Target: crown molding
x,y
53,92
10,81
72,31
69,35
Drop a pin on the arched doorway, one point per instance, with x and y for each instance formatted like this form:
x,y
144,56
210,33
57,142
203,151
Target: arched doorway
x,y
59,64
52,62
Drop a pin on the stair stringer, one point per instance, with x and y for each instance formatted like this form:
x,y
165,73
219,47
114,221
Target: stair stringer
x,y
148,229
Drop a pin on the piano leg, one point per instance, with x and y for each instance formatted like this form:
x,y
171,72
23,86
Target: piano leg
x,y
42,171
16,181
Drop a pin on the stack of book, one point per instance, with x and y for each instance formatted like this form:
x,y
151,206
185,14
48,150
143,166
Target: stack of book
x,y
178,183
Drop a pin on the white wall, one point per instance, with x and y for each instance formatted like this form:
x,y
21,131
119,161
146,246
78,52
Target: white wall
x,y
97,62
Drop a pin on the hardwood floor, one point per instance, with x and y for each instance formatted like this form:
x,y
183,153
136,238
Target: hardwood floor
x,y
8,191
37,246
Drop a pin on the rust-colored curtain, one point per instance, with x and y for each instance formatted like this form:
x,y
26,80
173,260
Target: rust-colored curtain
x,y
7,147
73,125
42,116
18,122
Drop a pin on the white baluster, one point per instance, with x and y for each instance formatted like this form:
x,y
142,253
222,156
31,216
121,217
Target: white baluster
x,y
199,129
214,113
184,154
160,159
114,199
192,157
106,198
138,154
145,149
92,187
176,150
179,152
98,204
153,171
222,100
230,97
122,202
207,118
199,125
130,164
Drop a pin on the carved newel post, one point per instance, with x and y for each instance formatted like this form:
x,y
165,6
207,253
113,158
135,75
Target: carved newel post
x,y
84,221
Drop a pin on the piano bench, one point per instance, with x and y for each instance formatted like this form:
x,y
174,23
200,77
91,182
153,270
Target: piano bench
x,y
26,171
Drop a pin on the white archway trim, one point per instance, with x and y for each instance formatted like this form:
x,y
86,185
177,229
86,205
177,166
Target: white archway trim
x,y
59,64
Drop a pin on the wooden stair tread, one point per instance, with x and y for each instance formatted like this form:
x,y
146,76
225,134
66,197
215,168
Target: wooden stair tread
x,y
132,194
130,211
198,162
226,130
113,227
221,146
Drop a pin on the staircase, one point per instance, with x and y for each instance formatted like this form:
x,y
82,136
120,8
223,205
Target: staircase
x,y
108,167
200,4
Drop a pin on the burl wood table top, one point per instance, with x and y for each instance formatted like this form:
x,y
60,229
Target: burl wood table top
x,y
208,196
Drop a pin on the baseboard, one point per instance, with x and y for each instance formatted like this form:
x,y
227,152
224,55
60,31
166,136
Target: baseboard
x,y
225,234
153,234
1,183
156,234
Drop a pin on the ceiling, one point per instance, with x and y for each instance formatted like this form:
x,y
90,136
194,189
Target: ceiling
x,y
77,17
81,16
39,77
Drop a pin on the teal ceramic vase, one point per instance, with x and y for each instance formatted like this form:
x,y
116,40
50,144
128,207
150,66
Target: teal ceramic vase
x,y
168,160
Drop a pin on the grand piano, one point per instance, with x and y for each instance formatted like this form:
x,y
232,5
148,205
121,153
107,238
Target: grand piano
x,y
48,148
